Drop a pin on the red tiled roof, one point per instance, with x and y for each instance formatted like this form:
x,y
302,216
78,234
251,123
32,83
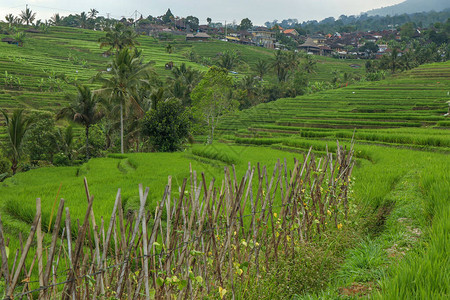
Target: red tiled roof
x,y
287,31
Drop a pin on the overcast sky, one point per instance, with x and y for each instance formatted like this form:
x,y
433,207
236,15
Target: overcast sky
x,y
258,11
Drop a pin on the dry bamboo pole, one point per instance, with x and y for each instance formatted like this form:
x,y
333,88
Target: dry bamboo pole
x,y
71,277
5,267
39,250
144,243
15,278
69,243
13,268
124,267
52,249
25,287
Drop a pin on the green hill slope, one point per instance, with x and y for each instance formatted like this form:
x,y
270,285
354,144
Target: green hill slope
x,y
35,71
405,110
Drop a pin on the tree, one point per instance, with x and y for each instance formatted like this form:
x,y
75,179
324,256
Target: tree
x,y
183,81
369,47
167,126
10,19
16,128
407,30
93,13
28,16
84,109
209,20
127,73
192,22
261,68
118,38
228,59
281,65
56,20
309,65
246,24
167,17
169,49
42,138
83,19
66,138
20,38
212,98
391,61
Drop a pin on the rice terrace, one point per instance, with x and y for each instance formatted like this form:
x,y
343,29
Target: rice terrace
x,y
158,158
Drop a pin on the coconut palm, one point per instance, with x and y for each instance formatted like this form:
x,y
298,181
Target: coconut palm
x,y
281,65
16,128
228,60
119,37
83,18
10,19
28,16
84,109
309,65
261,68
392,61
56,20
126,74
93,13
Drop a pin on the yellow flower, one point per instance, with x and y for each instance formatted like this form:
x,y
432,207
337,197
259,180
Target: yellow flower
x,y
222,292
328,212
339,226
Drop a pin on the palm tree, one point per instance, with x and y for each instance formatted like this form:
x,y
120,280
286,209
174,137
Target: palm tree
x,y
28,16
67,140
309,65
281,65
16,128
393,61
261,68
169,49
183,82
83,20
56,19
93,13
127,73
10,19
228,59
84,109
119,37
20,38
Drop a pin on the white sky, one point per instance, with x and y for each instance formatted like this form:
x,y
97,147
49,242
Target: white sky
x,y
218,10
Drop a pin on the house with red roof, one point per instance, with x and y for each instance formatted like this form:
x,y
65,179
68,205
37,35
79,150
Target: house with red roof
x,y
291,32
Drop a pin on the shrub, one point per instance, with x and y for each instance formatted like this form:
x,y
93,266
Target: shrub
x,y
167,126
42,140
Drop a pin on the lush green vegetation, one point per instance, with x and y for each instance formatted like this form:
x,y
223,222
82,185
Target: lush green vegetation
x,y
396,240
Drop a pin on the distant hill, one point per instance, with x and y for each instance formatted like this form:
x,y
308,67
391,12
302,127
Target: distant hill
x,y
411,6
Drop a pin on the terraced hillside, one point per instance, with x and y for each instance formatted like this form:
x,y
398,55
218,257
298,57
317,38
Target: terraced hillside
x,y
407,109
32,76
403,196
400,198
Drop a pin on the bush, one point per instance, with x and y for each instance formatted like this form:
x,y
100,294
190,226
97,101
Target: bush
x,y
167,127
42,140
309,271
60,159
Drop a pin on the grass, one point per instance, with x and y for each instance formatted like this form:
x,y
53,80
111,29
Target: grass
x,y
75,53
395,244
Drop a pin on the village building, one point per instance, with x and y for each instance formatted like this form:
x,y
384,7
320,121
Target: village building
x,y
263,37
291,32
199,36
